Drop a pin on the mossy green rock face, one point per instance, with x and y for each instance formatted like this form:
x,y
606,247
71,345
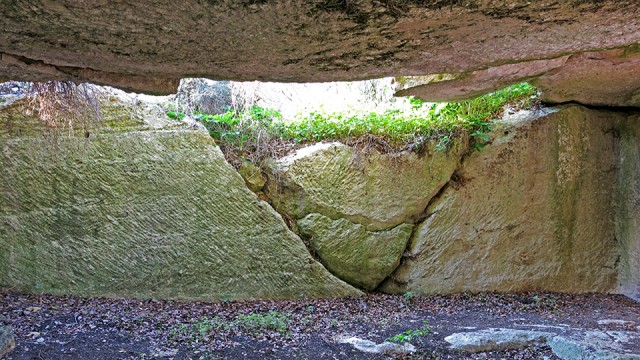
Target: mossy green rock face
x,y
360,257
377,190
627,202
533,210
141,212
252,176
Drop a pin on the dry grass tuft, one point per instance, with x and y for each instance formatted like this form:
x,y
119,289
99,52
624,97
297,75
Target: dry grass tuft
x,y
66,105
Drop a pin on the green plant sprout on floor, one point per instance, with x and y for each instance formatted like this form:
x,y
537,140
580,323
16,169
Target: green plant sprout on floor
x,y
255,323
271,321
410,335
408,297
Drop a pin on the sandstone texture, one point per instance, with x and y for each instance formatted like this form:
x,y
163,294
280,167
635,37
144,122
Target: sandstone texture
x,y
605,78
533,210
136,210
627,199
252,176
148,45
360,257
379,191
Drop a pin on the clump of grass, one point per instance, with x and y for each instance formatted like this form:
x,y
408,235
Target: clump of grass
x,y
249,135
258,133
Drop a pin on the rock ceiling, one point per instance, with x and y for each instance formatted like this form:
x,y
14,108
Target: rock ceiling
x,y
586,51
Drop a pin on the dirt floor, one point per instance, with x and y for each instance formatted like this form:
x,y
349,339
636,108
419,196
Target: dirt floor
x,y
52,327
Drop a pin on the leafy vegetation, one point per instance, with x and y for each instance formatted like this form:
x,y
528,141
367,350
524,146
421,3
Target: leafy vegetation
x,y
408,297
400,127
175,115
254,323
254,132
410,335
271,321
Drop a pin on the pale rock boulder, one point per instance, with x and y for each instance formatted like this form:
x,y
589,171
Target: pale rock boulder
x,y
379,191
360,257
141,211
533,210
496,339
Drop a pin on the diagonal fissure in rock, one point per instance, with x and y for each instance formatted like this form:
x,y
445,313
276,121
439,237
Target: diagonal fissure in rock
x,y
362,253
454,180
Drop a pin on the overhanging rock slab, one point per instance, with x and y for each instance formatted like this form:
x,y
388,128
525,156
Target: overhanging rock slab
x,y
148,45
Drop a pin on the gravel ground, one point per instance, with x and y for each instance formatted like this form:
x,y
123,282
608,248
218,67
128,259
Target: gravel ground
x,y
65,327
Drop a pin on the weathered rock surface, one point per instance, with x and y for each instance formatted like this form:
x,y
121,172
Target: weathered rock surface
x,y
377,190
385,348
206,96
360,257
533,210
7,340
627,200
567,344
596,345
598,78
607,78
141,211
457,87
252,176
148,45
496,339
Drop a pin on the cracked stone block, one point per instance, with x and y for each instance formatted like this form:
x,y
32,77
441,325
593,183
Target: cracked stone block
x,y
361,258
532,210
377,190
141,211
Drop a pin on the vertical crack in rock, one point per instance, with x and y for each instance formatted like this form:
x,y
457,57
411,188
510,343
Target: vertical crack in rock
x,y
373,202
256,184
406,254
532,212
